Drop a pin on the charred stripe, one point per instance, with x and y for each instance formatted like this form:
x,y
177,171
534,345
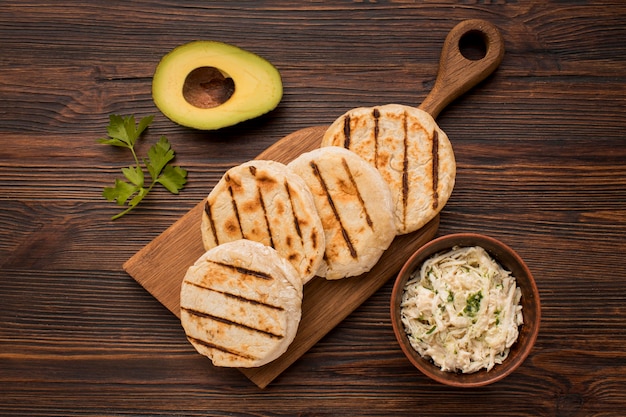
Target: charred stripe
x,y
267,220
207,210
435,152
405,169
346,132
296,220
228,322
236,297
376,115
329,198
245,271
220,348
346,167
253,171
235,208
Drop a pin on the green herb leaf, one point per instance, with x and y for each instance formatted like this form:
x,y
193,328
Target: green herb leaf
x,y
143,125
159,155
134,175
173,178
120,192
118,135
140,195
124,132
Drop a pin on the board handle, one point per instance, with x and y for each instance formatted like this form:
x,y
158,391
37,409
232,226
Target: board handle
x,y
457,73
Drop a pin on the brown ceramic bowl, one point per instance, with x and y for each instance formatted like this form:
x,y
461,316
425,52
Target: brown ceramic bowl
x,y
531,309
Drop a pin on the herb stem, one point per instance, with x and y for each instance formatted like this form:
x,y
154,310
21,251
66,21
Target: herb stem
x,y
132,149
120,214
124,132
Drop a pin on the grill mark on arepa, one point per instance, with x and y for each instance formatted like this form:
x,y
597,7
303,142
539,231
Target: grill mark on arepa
x,y
235,296
435,152
405,168
368,219
207,210
296,220
245,271
234,203
253,171
376,115
267,220
331,203
229,322
346,132
220,348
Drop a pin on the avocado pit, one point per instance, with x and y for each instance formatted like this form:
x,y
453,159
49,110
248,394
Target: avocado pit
x,y
207,87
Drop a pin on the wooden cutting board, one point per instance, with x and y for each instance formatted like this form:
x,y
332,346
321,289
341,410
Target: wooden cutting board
x,y
161,265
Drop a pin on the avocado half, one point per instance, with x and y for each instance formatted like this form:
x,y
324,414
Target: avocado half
x,y
208,85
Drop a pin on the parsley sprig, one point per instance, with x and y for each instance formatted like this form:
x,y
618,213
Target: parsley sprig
x,y
123,132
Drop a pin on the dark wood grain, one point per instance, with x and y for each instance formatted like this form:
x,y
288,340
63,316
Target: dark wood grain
x,y
541,165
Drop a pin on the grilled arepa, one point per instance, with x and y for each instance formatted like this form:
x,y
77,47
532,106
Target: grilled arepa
x,y
411,152
266,202
240,304
355,206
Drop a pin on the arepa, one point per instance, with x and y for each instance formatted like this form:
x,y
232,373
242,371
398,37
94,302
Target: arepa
x,y
240,304
411,152
355,206
262,200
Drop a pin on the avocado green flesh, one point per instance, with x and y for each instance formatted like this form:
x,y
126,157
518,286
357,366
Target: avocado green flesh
x,y
257,85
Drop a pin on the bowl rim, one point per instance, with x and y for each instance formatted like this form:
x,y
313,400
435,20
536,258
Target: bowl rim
x,y
522,346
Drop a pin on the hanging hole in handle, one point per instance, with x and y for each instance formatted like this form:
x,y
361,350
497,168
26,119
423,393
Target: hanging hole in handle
x,y
473,45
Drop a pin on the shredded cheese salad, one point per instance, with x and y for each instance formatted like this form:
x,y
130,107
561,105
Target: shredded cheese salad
x,y
462,310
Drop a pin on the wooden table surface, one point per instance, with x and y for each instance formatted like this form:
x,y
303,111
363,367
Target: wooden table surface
x,y
541,155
